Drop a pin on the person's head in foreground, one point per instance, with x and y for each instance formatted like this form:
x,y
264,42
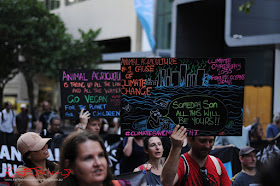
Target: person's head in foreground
x,y
85,155
201,145
247,157
33,148
153,147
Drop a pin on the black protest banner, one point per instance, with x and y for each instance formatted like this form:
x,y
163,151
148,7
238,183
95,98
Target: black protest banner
x,y
97,91
203,94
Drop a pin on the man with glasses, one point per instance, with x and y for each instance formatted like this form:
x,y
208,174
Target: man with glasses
x,y
202,169
247,176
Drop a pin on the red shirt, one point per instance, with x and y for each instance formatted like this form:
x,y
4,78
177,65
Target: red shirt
x,y
194,177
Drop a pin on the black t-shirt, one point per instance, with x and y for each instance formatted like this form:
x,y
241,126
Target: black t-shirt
x,y
45,118
22,121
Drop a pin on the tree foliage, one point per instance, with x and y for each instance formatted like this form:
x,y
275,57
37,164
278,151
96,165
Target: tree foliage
x,y
29,30
246,7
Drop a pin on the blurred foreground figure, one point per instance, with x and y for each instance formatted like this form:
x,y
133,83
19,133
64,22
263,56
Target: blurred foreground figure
x,y
84,154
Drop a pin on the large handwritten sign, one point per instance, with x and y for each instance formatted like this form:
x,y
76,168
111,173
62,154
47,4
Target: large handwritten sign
x,y
203,94
94,90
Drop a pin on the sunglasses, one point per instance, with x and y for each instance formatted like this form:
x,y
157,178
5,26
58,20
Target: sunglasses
x,y
205,179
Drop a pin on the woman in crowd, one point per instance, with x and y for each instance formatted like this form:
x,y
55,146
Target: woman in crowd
x,y
153,147
84,155
37,170
256,133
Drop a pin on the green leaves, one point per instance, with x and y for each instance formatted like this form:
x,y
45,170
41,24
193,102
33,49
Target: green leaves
x,y
246,7
29,29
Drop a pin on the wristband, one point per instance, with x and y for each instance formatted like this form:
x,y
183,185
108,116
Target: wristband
x,y
80,127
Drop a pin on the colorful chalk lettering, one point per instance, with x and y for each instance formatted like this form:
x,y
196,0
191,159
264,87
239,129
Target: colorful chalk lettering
x,y
97,91
203,94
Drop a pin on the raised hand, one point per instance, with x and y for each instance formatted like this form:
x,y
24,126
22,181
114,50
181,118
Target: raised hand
x,y
178,135
84,117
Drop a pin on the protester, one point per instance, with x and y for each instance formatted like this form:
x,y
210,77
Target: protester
x,y
84,154
7,119
198,167
232,141
54,132
274,128
45,117
37,170
22,120
153,147
256,133
7,122
247,176
93,125
256,120
134,154
54,129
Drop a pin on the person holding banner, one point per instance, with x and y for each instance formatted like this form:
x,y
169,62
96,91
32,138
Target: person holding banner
x,y
153,147
195,167
85,156
37,170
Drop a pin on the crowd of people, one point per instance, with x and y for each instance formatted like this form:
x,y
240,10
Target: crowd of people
x,y
175,160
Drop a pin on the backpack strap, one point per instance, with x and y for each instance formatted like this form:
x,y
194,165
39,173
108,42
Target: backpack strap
x,y
217,164
186,172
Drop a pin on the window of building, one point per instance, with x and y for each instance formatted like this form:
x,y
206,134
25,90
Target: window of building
x,y
51,4
163,24
115,45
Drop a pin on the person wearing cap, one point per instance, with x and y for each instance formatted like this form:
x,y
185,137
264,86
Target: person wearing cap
x,y
22,120
247,176
37,170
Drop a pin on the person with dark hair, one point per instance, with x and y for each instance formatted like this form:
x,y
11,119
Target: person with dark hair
x,y
45,117
274,128
153,147
54,132
84,154
37,170
22,120
256,133
54,129
195,167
